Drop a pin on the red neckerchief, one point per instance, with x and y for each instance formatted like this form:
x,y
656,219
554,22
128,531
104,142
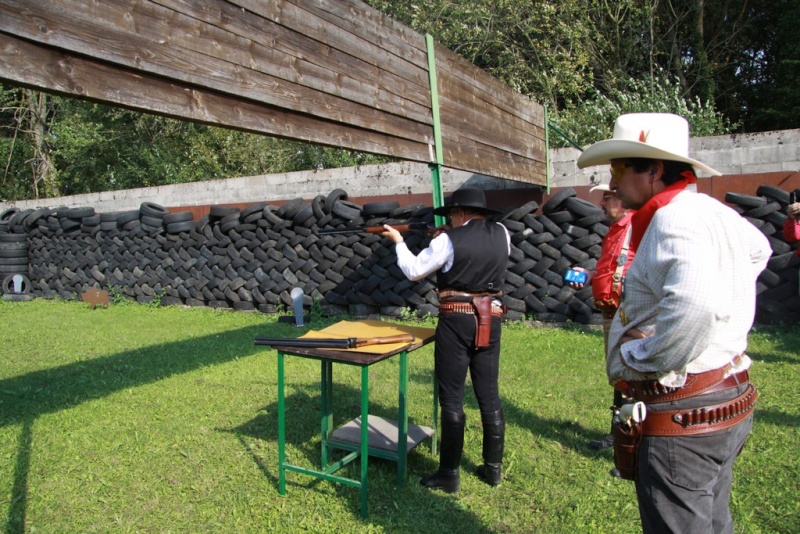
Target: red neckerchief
x,y
641,219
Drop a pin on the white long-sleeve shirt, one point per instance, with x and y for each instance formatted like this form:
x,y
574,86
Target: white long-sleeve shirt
x,y
438,255
691,290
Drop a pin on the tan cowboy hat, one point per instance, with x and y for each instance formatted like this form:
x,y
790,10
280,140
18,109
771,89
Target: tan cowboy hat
x,y
645,135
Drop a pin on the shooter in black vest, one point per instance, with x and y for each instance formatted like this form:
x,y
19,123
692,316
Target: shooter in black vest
x,y
470,263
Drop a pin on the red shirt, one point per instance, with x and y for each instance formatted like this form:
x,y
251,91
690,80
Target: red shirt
x,y
791,232
604,295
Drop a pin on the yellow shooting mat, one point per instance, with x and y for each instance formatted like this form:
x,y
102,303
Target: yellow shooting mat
x,y
362,329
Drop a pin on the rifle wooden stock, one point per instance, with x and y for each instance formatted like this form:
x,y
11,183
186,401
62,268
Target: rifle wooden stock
x,y
410,227
333,343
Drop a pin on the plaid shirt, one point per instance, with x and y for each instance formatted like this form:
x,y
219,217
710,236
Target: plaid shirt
x,y
691,290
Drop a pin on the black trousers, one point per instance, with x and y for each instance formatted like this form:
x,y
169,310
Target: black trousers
x,y
455,353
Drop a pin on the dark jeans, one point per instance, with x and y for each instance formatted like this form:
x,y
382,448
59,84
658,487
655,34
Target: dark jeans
x,y
455,353
685,482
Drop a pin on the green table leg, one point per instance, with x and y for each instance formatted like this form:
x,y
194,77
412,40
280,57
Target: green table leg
x,y
402,420
326,392
435,420
281,428
364,437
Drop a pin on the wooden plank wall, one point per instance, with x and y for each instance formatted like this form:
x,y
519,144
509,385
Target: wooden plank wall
x,y
333,72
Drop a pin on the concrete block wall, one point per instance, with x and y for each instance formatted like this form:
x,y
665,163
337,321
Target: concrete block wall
x,y
754,153
733,155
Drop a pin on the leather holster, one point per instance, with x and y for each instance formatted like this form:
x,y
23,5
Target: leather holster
x,y
483,320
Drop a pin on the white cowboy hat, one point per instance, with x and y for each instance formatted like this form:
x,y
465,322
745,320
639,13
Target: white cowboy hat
x,y
605,188
645,135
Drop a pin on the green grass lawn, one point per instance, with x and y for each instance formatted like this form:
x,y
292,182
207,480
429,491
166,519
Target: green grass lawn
x,y
145,419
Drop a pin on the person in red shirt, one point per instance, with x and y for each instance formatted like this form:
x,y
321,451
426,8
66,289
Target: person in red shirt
x,y
607,278
791,228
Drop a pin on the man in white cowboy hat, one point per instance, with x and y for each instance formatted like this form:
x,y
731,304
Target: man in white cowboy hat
x,y
470,262
678,339
608,277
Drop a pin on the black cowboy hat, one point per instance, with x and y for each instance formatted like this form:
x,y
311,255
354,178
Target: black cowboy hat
x,y
471,199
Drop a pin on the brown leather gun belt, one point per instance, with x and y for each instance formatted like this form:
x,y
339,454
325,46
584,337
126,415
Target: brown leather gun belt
x,y
701,420
446,294
483,309
467,307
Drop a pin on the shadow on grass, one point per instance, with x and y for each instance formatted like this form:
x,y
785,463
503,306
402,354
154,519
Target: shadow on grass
x,y
773,357
26,397
303,425
776,418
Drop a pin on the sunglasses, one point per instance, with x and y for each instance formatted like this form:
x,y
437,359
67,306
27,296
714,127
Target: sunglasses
x,y
617,170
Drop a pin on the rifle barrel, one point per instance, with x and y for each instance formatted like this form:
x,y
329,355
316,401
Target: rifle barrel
x,y
421,226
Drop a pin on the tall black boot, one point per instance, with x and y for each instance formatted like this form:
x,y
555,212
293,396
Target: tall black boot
x,y
494,433
447,478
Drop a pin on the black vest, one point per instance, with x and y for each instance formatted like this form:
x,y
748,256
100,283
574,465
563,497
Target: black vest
x,y
480,258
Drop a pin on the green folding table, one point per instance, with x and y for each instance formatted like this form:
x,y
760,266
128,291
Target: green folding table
x,y
380,437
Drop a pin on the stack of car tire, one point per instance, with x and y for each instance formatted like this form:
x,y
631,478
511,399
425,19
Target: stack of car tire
x,y
777,286
14,282
251,259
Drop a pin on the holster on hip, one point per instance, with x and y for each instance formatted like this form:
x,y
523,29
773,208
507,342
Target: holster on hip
x,y
627,438
483,320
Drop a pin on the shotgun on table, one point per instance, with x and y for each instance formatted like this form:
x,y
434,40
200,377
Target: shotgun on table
x,y
333,343
409,227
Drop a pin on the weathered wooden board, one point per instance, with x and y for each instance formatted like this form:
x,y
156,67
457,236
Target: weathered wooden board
x,y
334,72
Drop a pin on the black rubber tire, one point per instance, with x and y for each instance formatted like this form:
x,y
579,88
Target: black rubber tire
x,y
318,206
763,211
155,222
741,199
289,209
781,262
561,217
80,212
333,196
126,217
773,193
580,207
178,227
14,238
8,285
372,209
178,216
151,209
591,220
216,213
346,210
6,215
555,201
37,214
550,226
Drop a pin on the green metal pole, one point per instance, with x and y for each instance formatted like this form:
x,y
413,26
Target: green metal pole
x,y
281,428
436,167
402,420
364,438
326,422
547,149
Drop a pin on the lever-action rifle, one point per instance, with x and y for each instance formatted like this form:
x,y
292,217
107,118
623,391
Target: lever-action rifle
x,y
332,343
410,227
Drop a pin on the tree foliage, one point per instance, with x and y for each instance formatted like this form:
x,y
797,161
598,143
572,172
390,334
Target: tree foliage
x,y
726,65
100,148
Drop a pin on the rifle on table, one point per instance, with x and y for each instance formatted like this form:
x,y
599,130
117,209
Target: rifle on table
x,y
409,227
333,343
